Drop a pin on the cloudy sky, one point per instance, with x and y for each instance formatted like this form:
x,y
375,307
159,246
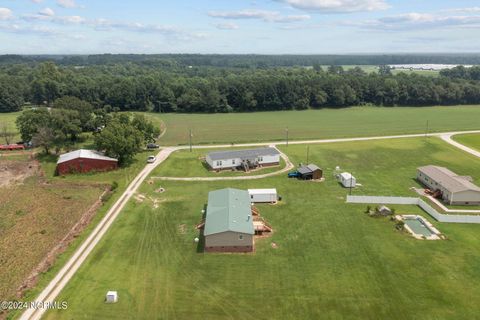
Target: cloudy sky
x,y
237,26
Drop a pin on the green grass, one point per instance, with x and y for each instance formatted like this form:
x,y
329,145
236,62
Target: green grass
x,y
9,119
470,140
315,124
184,163
332,261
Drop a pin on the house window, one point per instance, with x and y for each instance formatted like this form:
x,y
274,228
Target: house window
x,y
240,237
251,196
233,161
219,163
260,159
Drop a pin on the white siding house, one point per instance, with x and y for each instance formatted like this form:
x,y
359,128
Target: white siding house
x,y
263,195
251,158
456,190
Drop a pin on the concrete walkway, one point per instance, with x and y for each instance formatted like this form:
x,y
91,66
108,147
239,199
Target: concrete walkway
x,y
447,137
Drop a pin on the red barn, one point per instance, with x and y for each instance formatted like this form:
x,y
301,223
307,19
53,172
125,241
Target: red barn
x,y
81,161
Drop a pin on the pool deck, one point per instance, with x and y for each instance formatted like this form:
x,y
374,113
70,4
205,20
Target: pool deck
x,y
419,227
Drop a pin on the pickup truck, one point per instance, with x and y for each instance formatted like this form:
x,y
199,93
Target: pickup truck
x,y
294,174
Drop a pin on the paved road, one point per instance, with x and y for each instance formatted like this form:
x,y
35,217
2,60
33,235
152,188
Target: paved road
x,y
50,293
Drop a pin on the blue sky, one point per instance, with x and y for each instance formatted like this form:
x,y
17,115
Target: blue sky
x,y
237,26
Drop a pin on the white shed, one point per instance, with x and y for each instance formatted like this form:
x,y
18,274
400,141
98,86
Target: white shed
x,y
347,180
263,195
111,297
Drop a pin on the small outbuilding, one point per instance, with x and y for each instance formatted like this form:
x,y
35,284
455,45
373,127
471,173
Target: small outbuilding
x,y
111,297
263,195
82,161
347,180
310,172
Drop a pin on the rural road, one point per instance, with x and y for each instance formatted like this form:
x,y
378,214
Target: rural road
x,y
53,289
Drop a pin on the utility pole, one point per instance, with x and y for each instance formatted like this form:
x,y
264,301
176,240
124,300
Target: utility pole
x,y
190,139
286,132
308,153
351,182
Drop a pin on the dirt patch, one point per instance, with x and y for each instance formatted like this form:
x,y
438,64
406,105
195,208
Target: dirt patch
x,y
15,172
49,260
139,197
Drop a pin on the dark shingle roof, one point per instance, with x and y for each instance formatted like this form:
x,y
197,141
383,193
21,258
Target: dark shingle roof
x,y
308,169
243,154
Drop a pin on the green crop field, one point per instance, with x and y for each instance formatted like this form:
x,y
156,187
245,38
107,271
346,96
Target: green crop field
x,y
331,261
315,124
470,140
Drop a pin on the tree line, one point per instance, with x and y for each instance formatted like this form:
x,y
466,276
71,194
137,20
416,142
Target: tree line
x,y
129,86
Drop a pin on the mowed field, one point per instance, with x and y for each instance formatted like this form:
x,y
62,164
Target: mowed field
x,y
331,262
315,124
9,119
470,140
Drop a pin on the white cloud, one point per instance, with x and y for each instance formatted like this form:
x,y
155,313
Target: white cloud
x,y
268,16
227,26
420,21
37,1
338,6
464,10
67,3
5,14
46,12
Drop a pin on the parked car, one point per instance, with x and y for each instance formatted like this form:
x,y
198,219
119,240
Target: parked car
x,y
294,174
152,146
151,159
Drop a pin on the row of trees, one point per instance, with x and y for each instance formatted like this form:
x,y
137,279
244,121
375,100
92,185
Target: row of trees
x,y
133,87
119,135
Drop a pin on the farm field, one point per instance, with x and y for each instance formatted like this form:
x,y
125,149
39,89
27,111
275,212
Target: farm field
x,y
470,140
184,163
9,119
37,210
315,124
331,260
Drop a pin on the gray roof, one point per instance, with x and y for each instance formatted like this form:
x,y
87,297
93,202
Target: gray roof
x,y
243,154
228,210
308,169
448,179
84,154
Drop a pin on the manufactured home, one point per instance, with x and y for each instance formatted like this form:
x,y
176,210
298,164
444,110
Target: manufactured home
x,y
229,223
347,180
263,195
452,188
243,159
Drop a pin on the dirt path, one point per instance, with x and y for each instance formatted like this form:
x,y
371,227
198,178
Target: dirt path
x,y
73,264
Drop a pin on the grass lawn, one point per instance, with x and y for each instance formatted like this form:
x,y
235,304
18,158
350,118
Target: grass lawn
x,y
184,163
315,124
332,261
9,119
470,140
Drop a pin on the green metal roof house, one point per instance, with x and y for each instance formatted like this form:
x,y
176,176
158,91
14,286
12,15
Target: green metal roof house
x,y
229,222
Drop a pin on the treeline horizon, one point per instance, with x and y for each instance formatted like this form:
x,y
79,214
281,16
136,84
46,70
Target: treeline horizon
x,y
133,87
245,60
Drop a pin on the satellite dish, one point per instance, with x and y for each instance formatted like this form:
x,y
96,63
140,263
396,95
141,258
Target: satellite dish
x,y
196,240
